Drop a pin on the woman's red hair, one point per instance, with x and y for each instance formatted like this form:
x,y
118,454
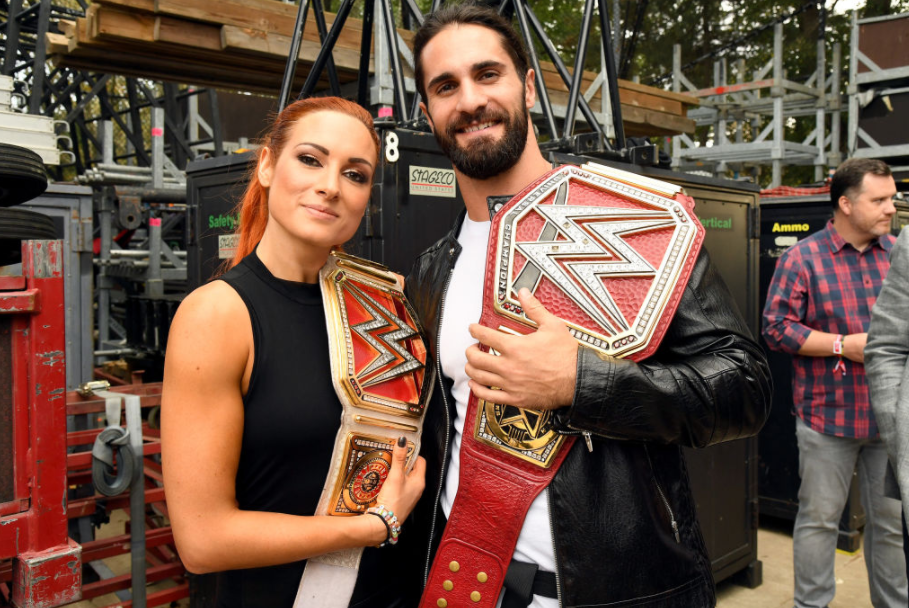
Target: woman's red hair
x,y
253,207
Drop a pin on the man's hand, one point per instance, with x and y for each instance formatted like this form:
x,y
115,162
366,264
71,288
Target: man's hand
x,y
854,347
536,371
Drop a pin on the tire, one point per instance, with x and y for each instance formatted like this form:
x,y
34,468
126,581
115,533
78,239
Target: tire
x,y
22,175
17,225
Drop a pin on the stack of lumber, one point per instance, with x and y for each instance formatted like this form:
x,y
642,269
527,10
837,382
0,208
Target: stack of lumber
x,y
228,44
243,45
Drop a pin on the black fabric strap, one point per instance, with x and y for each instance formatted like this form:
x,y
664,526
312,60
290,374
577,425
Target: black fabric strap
x,y
523,581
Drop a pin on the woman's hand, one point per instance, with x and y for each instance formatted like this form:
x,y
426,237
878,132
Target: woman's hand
x,y
401,489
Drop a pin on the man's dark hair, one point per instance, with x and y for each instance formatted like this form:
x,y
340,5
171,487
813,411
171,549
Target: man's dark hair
x,y
847,180
468,13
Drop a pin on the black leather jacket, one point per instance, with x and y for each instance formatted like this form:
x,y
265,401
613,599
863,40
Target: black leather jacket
x,y
624,525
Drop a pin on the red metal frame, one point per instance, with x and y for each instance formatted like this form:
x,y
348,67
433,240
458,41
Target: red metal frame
x,y
46,569
40,567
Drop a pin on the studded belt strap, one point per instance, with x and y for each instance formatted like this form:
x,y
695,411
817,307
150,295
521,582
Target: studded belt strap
x,y
610,253
379,371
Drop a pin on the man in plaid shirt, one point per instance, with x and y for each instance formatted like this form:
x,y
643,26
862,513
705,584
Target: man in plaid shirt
x,y
818,309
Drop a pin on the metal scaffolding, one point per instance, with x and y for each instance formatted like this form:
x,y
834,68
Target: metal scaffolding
x,y
877,74
748,118
80,99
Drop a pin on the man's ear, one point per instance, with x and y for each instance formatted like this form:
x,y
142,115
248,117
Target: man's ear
x,y
530,89
265,171
428,117
845,205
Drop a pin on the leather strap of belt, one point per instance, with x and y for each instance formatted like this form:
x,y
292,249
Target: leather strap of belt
x,y
566,236
378,362
472,560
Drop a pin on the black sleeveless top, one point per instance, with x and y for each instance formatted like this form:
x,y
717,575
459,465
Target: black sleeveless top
x,y
291,418
292,415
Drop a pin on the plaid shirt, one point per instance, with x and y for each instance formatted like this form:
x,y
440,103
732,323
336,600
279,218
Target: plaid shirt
x,y
823,283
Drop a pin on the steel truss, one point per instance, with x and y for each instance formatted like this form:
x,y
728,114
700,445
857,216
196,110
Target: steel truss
x,y
582,130
747,119
868,80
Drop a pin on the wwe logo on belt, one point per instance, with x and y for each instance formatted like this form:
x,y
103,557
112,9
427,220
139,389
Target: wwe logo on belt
x,y
594,250
371,333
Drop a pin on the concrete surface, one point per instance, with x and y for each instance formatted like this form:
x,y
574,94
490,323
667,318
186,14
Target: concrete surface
x,y
775,551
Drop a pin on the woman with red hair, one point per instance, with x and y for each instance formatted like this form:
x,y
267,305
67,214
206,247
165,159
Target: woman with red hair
x,y
249,413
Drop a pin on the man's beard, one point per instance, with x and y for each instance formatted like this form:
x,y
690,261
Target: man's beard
x,y
485,158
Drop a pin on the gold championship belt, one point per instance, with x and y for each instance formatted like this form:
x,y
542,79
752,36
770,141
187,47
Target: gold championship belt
x,y
607,251
380,374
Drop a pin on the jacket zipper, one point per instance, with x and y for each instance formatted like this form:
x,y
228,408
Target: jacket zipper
x,y
436,505
555,553
672,522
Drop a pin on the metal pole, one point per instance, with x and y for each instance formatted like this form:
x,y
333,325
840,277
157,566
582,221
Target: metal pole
x,y
578,77
835,157
154,285
105,218
12,37
325,53
542,92
616,38
396,71
38,67
777,152
136,501
290,68
319,13
852,89
365,45
605,103
157,140
107,147
612,77
719,80
382,92
820,82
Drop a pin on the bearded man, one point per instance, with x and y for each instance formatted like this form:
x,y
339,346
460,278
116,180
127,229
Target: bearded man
x,y
617,523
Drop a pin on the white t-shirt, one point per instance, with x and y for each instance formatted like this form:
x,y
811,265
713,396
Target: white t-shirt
x,y
463,306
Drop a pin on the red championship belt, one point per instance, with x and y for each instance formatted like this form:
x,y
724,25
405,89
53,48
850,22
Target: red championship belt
x,y
610,253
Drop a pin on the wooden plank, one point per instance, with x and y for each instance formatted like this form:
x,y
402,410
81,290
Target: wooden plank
x,y
277,47
56,43
131,28
120,25
175,57
146,6
187,33
269,16
636,95
264,15
67,27
639,121
643,88
651,101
